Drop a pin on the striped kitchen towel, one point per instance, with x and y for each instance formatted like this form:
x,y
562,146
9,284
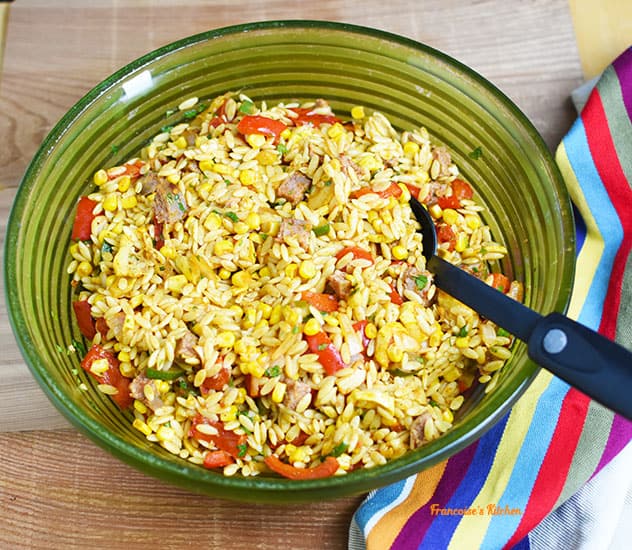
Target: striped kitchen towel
x,y
555,439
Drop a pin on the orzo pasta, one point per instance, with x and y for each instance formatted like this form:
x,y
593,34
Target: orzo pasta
x,y
253,289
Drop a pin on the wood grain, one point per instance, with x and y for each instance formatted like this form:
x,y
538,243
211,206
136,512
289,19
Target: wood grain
x,y
58,490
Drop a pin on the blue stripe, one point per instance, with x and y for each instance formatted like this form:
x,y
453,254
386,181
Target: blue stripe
x,y
580,230
524,470
376,501
523,544
442,528
580,159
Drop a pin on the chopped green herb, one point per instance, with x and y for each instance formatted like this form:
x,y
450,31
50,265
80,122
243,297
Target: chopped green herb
x,y
79,346
295,329
247,107
463,331
400,372
166,128
170,374
321,347
321,230
483,250
191,113
433,403
502,332
273,371
476,153
339,449
264,236
232,216
114,148
501,288
421,281
328,183
281,148
227,181
243,449
59,348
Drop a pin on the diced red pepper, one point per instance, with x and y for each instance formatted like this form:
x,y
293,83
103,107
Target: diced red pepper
x,y
360,327
224,440
306,115
112,376
445,234
133,169
217,459
253,385
327,468
357,252
321,301
328,355
460,190
257,124
159,239
500,282
217,381
395,297
414,190
85,321
393,190
82,227
101,326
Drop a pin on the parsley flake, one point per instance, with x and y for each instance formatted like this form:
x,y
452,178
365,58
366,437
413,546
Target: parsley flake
x,y
476,153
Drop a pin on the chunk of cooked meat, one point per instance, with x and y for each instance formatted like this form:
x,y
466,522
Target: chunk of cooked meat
x,y
420,282
169,204
185,347
150,181
442,156
294,229
294,187
417,430
150,396
294,392
340,284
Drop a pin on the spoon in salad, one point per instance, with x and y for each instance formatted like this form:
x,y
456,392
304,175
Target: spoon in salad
x,y
578,355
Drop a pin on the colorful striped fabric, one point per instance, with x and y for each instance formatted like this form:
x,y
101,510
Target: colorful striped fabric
x,y
555,439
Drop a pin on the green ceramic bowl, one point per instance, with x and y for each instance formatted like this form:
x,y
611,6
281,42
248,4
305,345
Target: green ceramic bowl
x,y
516,179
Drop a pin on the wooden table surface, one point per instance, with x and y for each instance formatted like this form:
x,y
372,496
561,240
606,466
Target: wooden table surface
x,y
58,490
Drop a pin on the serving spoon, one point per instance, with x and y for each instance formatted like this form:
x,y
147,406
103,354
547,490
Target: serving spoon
x,y
578,355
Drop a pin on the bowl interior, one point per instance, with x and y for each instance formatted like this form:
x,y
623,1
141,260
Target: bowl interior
x,y
515,179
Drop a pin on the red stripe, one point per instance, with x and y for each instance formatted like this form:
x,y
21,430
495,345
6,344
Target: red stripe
x,y
606,161
554,470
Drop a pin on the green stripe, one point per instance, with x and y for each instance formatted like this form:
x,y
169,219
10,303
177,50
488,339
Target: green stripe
x,y
585,459
624,319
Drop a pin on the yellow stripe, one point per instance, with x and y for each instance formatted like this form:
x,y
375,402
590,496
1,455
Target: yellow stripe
x,y
472,529
389,526
592,250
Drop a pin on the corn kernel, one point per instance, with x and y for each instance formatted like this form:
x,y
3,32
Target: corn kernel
x,y
173,178
206,165
267,158
240,228
124,183
290,315
84,269
224,274
450,216
265,309
257,370
265,272
435,337
275,314
435,211
285,134
247,177
141,426
332,321
110,203
256,140
462,342
225,339
164,433
307,269
400,252
229,414
222,169
181,142
370,331
357,112
241,396
448,416
127,369
162,386
253,221
140,406
129,202
472,221
461,242
278,392
241,279
100,177
250,317
296,454
312,327
335,131
372,215
213,222
395,353
223,246
291,270
176,283
335,164
411,149
404,198
237,311
168,252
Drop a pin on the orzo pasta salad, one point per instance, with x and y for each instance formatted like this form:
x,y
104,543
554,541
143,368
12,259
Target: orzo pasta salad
x,y
253,290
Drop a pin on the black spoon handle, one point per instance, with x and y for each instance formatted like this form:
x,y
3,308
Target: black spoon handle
x,y
578,355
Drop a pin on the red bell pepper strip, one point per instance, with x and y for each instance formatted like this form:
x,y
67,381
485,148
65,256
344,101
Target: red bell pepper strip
x,y
445,234
321,301
328,355
82,227
217,459
413,189
306,115
395,297
257,124
102,326
360,327
224,440
85,321
460,190
393,190
327,468
216,382
357,252
112,376
500,282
